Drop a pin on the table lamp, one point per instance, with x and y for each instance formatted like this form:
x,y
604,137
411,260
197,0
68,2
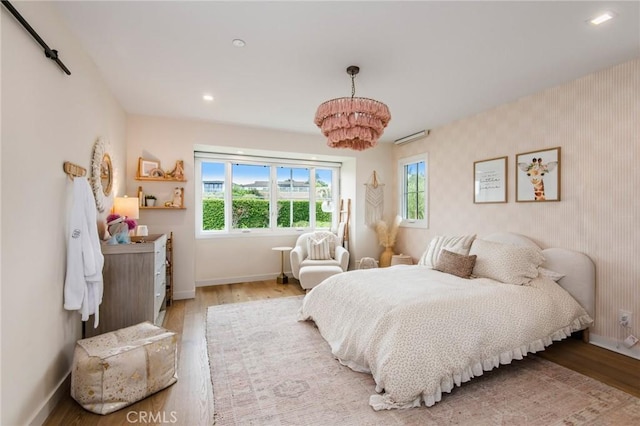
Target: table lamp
x,y
127,207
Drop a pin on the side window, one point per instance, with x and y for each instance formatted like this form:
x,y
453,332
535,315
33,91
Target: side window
x,y
413,191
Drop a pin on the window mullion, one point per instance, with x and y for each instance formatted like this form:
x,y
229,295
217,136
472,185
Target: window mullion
x,y
228,196
312,197
273,198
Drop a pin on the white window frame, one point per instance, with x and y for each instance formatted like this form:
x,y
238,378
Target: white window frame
x,y
273,162
402,202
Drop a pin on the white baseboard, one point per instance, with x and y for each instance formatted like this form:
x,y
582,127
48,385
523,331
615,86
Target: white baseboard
x,y
63,389
244,279
181,295
615,346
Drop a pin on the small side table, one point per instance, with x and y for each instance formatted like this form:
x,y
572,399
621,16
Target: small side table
x,y
401,259
282,278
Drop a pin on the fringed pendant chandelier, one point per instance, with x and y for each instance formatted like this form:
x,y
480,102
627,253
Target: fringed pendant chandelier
x,y
354,123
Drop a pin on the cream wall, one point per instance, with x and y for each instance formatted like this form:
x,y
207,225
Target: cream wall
x,y
242,258
596,122
47,118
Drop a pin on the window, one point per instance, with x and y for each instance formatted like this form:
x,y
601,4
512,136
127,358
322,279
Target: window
x,y
293,186
413,191
242,194
250,189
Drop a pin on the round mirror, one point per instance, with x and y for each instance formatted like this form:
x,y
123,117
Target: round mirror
x,y
101,174
106,174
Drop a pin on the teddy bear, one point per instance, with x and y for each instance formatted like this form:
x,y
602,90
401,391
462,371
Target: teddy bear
x,y
119,228
177,197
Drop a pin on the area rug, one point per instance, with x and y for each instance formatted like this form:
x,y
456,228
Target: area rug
x,y
269,369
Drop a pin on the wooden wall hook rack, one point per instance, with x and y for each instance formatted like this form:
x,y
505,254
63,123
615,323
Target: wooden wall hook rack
x,y
73,170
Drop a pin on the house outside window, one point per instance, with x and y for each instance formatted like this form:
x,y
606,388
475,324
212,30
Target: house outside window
x,y
412,177
212,187
255,194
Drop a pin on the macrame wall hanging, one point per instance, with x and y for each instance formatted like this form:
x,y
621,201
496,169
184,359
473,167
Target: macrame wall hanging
x,y
374,200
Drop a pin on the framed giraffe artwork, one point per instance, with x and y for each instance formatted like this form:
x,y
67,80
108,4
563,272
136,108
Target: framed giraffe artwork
x,y
490,181
538,175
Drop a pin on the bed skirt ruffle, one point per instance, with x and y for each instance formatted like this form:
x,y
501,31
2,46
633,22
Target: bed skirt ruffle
x,y
381,402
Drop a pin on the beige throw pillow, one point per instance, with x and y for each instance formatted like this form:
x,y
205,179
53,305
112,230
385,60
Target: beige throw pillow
x,y
505,262
331,240
318,249
455,264
460,245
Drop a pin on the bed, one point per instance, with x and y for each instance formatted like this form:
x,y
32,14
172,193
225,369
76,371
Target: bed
x,y
420,331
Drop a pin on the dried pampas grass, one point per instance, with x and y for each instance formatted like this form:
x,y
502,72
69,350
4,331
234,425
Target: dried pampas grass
x,y
387,234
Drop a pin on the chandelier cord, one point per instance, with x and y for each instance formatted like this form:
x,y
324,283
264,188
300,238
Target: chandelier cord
x,y
353,85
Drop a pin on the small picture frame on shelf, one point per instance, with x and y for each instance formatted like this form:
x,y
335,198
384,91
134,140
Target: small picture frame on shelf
x,y
146,167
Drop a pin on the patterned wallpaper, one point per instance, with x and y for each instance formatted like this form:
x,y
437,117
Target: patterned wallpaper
x,y
596,122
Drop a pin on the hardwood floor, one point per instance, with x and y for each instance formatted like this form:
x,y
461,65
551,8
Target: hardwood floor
x,y
190,400
609,367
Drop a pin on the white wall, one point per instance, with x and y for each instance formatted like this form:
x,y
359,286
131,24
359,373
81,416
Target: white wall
x,y
224,260
596,122
47,118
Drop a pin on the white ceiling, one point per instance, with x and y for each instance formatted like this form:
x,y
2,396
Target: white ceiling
x,y
430,62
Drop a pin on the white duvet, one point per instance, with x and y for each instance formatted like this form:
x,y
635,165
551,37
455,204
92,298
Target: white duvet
x,y
419,332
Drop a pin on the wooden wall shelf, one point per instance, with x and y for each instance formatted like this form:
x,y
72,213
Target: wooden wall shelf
x,y
161,208
152,179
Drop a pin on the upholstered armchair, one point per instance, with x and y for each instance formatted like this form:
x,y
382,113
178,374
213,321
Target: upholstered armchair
x,y
316,256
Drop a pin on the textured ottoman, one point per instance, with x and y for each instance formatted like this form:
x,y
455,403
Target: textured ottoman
x,y
116,369
311,276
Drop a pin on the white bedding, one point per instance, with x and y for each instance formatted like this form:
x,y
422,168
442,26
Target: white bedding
x,y
419,332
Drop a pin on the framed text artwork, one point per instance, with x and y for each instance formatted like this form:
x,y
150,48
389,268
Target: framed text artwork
x,y
490,181
538,175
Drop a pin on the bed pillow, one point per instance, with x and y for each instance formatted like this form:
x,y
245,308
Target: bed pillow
x,y
455,264
505,262
318,249
460,245
556,276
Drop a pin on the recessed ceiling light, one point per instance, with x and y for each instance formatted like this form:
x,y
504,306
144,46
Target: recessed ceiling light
x,y
239,152
207,97
603,17
238,43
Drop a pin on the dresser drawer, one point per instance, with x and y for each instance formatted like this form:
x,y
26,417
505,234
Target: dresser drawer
x,y
159,289
160,250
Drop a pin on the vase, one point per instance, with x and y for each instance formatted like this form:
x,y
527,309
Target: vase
x,y
151,202
385,257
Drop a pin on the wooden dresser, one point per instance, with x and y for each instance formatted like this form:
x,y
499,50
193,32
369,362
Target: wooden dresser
x,y
134,284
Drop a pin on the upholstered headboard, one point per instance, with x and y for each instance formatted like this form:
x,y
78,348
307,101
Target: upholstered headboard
x,y
578,269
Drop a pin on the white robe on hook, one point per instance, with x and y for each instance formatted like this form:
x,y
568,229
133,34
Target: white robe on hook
x,y
83,285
